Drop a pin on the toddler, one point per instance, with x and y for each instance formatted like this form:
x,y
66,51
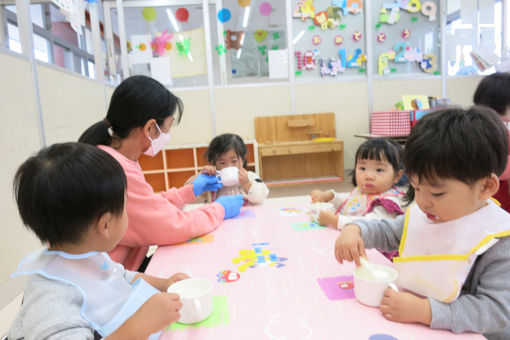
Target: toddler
x,y
453,244
73,197
377,170
229,150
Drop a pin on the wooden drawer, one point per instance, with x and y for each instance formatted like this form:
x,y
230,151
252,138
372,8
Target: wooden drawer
x,y
295,149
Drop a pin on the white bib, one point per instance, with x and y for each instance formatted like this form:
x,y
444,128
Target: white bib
x,y
435,258
108,299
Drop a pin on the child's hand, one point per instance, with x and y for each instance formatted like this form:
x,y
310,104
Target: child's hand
x,y
175,278
243,177
405,307
327,217
209,170
321,196
159,311
349,245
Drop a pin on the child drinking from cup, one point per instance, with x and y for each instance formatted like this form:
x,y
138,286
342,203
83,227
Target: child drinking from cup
x,y
377,170
73,197
227,154
453,244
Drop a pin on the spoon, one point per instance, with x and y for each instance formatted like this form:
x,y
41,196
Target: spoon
x,y
375,273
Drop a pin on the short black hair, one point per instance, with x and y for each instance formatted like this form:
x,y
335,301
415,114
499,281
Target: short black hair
x,y
454,143
224,143
494,91
381,150
66,187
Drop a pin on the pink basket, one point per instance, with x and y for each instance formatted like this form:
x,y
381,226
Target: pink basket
x,y
390,124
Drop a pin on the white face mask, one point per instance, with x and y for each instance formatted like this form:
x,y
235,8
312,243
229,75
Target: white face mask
x,y
158,143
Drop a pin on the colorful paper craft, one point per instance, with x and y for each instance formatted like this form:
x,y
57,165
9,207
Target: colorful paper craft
x,y
338,287
256,258
290,211
201,239
227,276
220,316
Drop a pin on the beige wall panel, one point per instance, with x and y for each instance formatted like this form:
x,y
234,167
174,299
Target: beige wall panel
x,y
389,92
349,102
195,126
461,90
70,103
236,107
19,139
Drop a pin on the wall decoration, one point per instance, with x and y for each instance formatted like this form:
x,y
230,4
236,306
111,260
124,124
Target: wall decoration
x,y
149,13
316,39
339,39
265,9
321,19
304,10
244,3
356,36
161,43
429,63
389,14
381,37
220,49
334,15
330,67
142,51
224,15
182,14
260,35
299,59
406,33
429,9
233,39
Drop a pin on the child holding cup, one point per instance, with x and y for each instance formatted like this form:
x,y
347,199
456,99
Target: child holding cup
x,y
226,156
454,250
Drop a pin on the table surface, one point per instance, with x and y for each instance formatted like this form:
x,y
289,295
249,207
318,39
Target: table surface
x,y
290,286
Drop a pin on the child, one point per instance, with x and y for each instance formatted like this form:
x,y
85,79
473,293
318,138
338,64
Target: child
x,y
494,92
452,158
378,169
73,196
229,150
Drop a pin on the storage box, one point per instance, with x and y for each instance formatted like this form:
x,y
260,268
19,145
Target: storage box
x,y
390,124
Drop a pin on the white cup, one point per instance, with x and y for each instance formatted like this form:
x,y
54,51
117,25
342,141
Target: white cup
x,y
229,176
316,208
370,291
196,298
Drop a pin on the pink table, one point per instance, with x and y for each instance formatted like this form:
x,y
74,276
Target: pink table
x,y
294,288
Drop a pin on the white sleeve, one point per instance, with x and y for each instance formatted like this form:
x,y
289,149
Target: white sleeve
x,y
258,191
379,212
338,198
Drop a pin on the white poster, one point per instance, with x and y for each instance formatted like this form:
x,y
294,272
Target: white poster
x,y
160,70
278,64
141,49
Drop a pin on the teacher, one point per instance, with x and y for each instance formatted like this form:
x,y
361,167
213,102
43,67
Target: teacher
x,y
138,121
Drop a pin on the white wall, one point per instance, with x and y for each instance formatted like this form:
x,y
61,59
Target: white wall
x,y
70,103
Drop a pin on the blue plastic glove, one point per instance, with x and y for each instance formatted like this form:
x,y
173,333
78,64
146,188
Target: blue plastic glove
x,y
231,204
205,183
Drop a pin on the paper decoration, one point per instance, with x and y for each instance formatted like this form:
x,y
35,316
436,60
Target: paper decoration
x,y
160,70
413,54
321,19
184,46
429,63
357,59
194,63
299,60
316,40
381,37
400,48
334,16
412,6
149,13
142,51
383,62
244,3
182,14
260,35
227,276
161,44
265,9
304,10
355,6
332,287
389,14
301,226
220,49
330,67
415,102
356,36
406,33
278,64
233,39
429,9
224,15
276,35
339,39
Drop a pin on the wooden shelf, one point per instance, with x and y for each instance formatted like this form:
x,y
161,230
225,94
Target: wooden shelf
x,y
175,164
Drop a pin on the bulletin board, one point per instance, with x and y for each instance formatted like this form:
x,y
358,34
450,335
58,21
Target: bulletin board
x,y
329,38
406,37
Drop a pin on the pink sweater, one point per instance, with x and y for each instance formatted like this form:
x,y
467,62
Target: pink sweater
x,y
157,219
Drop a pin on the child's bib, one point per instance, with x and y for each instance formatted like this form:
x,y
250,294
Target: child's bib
x,y
435,258
359,204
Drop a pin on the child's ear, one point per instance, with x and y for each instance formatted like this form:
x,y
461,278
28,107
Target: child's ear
x,y
490,186
398,176
102,225
147,126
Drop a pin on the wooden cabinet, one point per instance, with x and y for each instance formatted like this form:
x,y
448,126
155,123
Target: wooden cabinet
x,y
299,149
174,165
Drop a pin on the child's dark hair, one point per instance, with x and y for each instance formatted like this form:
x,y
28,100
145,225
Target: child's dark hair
x,y
224,143
66,187
494,91
134,102
379,149
466,145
